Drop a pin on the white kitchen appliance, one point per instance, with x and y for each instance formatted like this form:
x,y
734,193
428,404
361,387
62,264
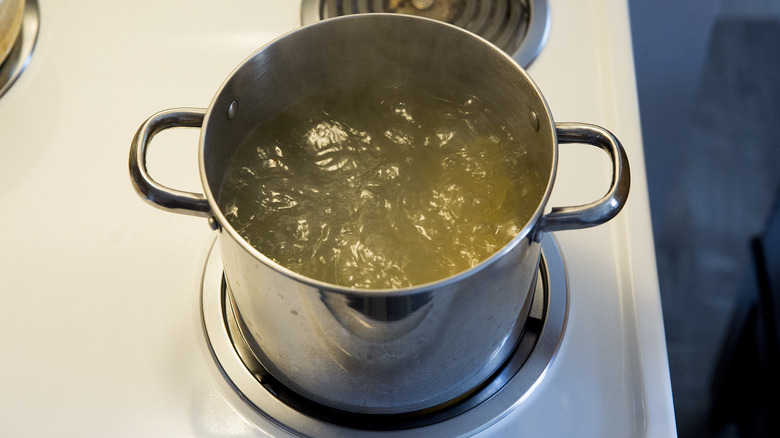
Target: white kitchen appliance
x,y
112,321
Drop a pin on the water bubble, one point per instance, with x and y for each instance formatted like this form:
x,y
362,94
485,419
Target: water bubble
x,y
399,137
388,172
445,135
302,230
402,111
272,163
283,249
480,228
481,204
471,105
231,210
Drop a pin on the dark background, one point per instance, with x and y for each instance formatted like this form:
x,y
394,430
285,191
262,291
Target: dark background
x,y
708,79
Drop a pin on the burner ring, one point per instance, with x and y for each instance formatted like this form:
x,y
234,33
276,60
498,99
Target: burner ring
x,y
518,27
247,385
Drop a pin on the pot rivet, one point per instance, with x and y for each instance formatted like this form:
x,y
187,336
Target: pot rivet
x,y
232,110
213,224
534,121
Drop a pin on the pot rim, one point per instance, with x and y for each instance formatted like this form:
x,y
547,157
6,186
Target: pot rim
x,y
529,230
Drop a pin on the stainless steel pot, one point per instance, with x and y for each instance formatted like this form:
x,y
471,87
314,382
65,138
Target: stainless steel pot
x,y
379,351
11,14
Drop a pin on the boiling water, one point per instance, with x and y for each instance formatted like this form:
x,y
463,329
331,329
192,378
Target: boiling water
x,y
380,188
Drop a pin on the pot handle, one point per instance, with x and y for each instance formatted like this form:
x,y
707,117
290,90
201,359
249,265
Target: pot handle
x,y
156,194
604,209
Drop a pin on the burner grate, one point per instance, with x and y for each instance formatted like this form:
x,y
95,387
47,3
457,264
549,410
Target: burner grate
x,y
518,27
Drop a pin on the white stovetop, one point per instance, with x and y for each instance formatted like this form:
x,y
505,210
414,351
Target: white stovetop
x,y
99,322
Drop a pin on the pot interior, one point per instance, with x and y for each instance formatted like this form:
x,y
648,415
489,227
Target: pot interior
x,y
370,51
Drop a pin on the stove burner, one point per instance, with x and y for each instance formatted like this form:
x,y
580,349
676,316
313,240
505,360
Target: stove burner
x,y
518,27
19,56
268,402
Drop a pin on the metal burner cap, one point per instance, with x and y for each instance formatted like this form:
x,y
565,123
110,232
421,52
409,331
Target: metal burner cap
x,y
518,27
